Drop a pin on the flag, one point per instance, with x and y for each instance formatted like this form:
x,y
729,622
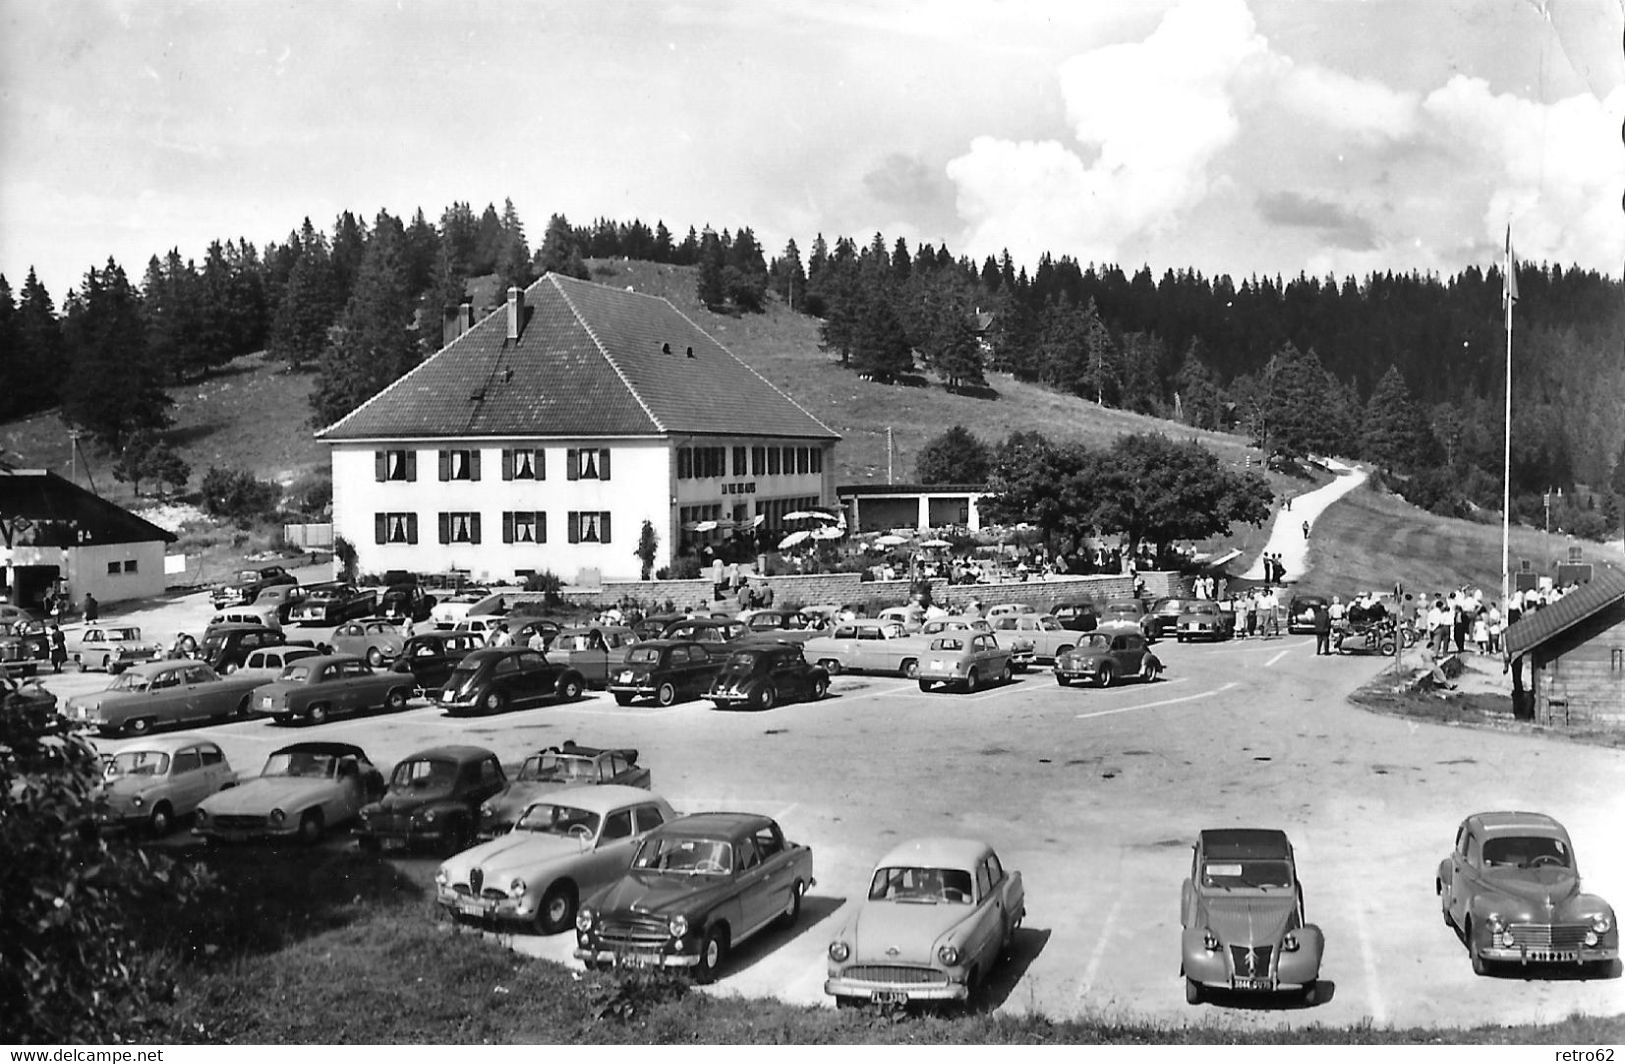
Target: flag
x,y
1509,293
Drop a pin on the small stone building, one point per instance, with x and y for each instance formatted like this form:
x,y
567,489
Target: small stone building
x,y
1575,650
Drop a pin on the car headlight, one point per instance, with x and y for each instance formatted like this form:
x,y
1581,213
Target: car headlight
x,y
488,810
948,955
1289,943
441,879
516,887
1591,938
200,816
428,818
137,801
1210,941
278,816
678,926
1493,922
585,918
839,952
1601,923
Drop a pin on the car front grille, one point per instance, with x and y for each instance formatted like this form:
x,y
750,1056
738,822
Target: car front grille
x,y
1548,936
893,973
634,932
239,822
1257,966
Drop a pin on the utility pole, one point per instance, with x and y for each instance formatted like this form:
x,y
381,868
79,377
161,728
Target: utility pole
x,y
73,455
889,456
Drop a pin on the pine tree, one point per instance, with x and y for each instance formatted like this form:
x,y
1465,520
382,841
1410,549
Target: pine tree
x,y
880,348
422,252
1394,433
487,243
514,266
788,279
663,249
116,389
955,457
448,289
709,283
348,247
299,330
41,349
560,252
373,343
11,367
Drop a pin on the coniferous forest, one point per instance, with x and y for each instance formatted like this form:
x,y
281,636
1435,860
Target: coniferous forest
x,y
1402,370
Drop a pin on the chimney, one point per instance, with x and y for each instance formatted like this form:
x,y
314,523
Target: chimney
x,y
450,320
465,312
516,313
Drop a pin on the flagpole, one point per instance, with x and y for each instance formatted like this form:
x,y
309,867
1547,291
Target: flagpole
x,y
1509,296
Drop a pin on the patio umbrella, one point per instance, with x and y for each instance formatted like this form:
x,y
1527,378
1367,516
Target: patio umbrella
x,y
934,544
827,532
793,539
890,540
705,526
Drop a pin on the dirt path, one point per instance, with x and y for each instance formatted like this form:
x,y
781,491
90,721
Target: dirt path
x,y
1287,536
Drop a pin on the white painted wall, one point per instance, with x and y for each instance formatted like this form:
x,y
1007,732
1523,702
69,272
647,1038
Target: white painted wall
x,y
85,569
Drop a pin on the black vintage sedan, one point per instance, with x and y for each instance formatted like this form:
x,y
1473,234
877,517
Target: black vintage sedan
x,y
762,676
430,657
434,796
495,679
664,670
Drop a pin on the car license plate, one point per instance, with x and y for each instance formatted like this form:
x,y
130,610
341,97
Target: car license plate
x,y
888,997
1551,955
476,906
1242,982
266,702
626,676
446,696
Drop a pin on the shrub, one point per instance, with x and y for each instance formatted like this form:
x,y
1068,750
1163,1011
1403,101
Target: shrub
x,y
311,495
237,496
686,567
549,584
631,991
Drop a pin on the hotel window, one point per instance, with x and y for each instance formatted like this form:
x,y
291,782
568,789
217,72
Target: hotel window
x,y
772,461
459,528
685,463
758,461
739,461
395,465
789,460
395,528
589,526
587,463
801,459
459,465
524,463
817,457
524,526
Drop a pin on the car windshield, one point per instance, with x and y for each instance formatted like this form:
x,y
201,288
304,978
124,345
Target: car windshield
x,y
424,773
301,763
138,763
1246,874
545,818
130,681
248,576
682,855
921,886
1526,851
579,641
643,656
556,767
214,642
1095,642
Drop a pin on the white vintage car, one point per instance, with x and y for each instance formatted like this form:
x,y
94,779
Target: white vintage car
x,y
155,781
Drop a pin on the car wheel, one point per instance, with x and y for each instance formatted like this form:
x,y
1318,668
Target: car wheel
x,y
139,726
766,696
1193,991
311,827
375,657
1064,681
792,911
972,681
495,702
1106,675
910,669
667,695
558,909
161,821
1386,648
712,951
570,688
820,688
395,701
624,699
831,666
1008,674
318,714
107,663
1150,670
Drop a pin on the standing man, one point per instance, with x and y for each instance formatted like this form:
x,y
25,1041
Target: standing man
x,y
59,648
1323,629
1306,530
91,612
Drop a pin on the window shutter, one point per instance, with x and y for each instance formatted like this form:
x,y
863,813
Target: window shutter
x,y
411,528
474,527
603,464
411,465
445,527
541,524
541,464
507,522
572,527
603,524
445,465
380,468
474,465
507,464
378,529
572,463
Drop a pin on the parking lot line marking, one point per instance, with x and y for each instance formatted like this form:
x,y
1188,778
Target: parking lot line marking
x,y
1153,705
1368,960
623,711
1277,657
1266,650
1099,952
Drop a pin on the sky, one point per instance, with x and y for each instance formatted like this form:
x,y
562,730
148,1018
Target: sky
x,y
1327,137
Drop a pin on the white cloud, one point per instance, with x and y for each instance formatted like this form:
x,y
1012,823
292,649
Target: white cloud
x,y
1348,104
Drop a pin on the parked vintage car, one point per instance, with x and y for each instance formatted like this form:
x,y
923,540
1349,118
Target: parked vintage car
x,y
496,679
665,670
402,601
592,650
706,630
430,658
1300,612
966,661
259,616
562,848
28,707
248,584
1511,889
1010,609
156,781
304,791
333,603
523,626
1164,613
375,639
1242,914
25,647
11,614
1077,616
113,648
651,626
1127,615
226,647
938,915
315,689
866,646
1046,635
1204,619
1103,657
760,676
158,693
560,766
434,796
280,599
698,888
267,663
454,608
790,625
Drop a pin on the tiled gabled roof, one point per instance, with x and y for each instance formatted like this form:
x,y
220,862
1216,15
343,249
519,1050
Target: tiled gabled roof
x,y
1607,587
590,361
62,513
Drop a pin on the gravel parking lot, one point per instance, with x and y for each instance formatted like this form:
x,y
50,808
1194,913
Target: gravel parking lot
x,y
1095,796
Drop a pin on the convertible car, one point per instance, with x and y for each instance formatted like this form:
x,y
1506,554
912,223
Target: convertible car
x,y
1511,889
557,767
163,692
1242,915
939,914
562,848
304,791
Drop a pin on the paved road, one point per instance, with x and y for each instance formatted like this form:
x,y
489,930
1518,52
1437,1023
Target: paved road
x,y
1286,534
1095,797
